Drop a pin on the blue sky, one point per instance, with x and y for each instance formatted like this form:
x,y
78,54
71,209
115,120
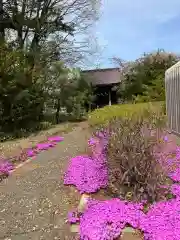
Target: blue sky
x,y
127,28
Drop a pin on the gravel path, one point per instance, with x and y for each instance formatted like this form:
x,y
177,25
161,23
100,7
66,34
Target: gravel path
x,y
33,200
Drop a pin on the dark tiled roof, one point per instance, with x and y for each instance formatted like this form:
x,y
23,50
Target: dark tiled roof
x,y
103,76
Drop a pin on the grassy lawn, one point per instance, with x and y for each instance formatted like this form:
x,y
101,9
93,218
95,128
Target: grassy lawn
x,y
177,139
103,115
14,147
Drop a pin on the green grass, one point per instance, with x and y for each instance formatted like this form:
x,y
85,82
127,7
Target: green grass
x,y
104,115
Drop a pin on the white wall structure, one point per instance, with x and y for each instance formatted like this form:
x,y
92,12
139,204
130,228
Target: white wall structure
x,y
172,86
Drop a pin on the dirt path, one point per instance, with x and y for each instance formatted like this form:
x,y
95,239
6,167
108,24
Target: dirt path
x,y
14,147
33,200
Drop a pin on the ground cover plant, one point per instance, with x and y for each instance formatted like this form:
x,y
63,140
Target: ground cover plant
x,y
146,172
83,171
102,116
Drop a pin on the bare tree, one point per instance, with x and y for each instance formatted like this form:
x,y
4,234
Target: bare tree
x,y
38,21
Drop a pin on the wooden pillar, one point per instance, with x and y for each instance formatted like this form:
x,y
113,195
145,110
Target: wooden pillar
x,y
110,97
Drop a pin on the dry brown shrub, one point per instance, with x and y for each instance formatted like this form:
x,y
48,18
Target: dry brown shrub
x,y
133,171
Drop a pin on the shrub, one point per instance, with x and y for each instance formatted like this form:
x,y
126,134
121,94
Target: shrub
x,y
21,94
133,171
44,125
25,132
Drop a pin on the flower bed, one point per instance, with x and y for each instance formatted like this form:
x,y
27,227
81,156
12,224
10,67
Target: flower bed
x,y
104,220
88,173
7,165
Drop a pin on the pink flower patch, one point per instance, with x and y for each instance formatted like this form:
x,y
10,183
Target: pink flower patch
x,y
55,139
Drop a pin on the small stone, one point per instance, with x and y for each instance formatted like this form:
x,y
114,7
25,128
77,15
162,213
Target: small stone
x,y
83,202
129,233
128,229
56,212
74,228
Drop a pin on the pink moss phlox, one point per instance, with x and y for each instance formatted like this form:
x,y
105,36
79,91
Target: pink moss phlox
x,y
5,167
175,175
162,221
83,172
175,189
103,136
165,138
43,146
31,153
73,217
55,139
92,141
88,173
168,162
104,220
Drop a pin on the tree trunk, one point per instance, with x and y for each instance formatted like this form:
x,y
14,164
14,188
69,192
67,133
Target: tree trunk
x,y
2,31
7,123
57,111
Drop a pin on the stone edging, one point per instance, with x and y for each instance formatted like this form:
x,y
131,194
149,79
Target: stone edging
x,y
22,164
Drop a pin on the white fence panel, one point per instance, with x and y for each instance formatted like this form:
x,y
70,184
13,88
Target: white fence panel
x,y
172,86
